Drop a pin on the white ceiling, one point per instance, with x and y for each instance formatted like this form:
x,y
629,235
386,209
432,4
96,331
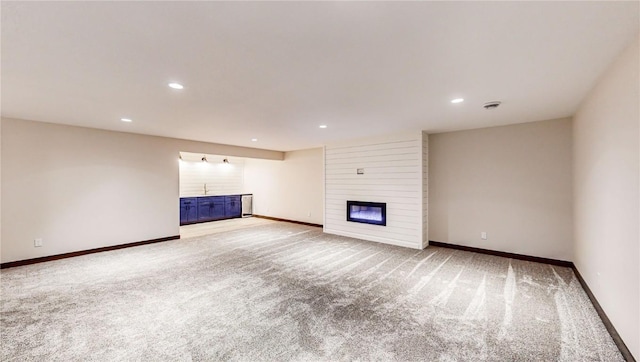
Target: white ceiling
x,y
275,71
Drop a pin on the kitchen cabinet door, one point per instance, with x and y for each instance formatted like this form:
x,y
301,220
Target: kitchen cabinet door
x,y
232,206
188,210
217,211
204,208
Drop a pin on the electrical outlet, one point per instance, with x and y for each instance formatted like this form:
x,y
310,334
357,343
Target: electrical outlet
x,y
37,242
483,235
309,214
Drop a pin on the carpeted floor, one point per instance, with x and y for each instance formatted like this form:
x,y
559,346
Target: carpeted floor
x,y
282,292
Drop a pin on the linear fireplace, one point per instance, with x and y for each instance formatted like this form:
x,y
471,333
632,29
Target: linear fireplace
x,y
367,212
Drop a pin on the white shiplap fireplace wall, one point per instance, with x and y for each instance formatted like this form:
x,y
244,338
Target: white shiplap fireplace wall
x,y
395,172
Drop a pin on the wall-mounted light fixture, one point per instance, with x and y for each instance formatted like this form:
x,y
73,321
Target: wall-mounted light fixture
x,y
225,160
204,159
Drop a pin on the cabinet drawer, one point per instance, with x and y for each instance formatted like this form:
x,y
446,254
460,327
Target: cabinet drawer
x,y
188,201
204,201
218,199
232,198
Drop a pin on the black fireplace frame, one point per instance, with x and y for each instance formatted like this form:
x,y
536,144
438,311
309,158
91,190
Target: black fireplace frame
x,y
381,205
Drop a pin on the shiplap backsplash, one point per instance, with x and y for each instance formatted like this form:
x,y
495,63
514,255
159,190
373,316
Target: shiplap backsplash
x,y
393,174
220,178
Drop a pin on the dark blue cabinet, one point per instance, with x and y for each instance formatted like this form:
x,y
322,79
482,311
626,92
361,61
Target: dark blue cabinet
x,y
188,210
205,205
209,208
232,206
217,211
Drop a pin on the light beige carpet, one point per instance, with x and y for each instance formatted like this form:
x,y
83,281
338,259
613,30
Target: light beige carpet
x,y
284,292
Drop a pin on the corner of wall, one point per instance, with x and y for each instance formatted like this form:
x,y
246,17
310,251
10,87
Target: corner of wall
x,y
425,189
606,184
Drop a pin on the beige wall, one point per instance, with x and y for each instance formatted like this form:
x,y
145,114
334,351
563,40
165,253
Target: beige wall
x,y
289,189
79,188
607,166
513,182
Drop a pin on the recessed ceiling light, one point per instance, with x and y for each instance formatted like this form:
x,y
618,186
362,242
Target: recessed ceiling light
x,y
176,85
126,120
254,140
323,126
457,100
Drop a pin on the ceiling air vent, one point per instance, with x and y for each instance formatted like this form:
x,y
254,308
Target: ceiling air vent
x,y
492,105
